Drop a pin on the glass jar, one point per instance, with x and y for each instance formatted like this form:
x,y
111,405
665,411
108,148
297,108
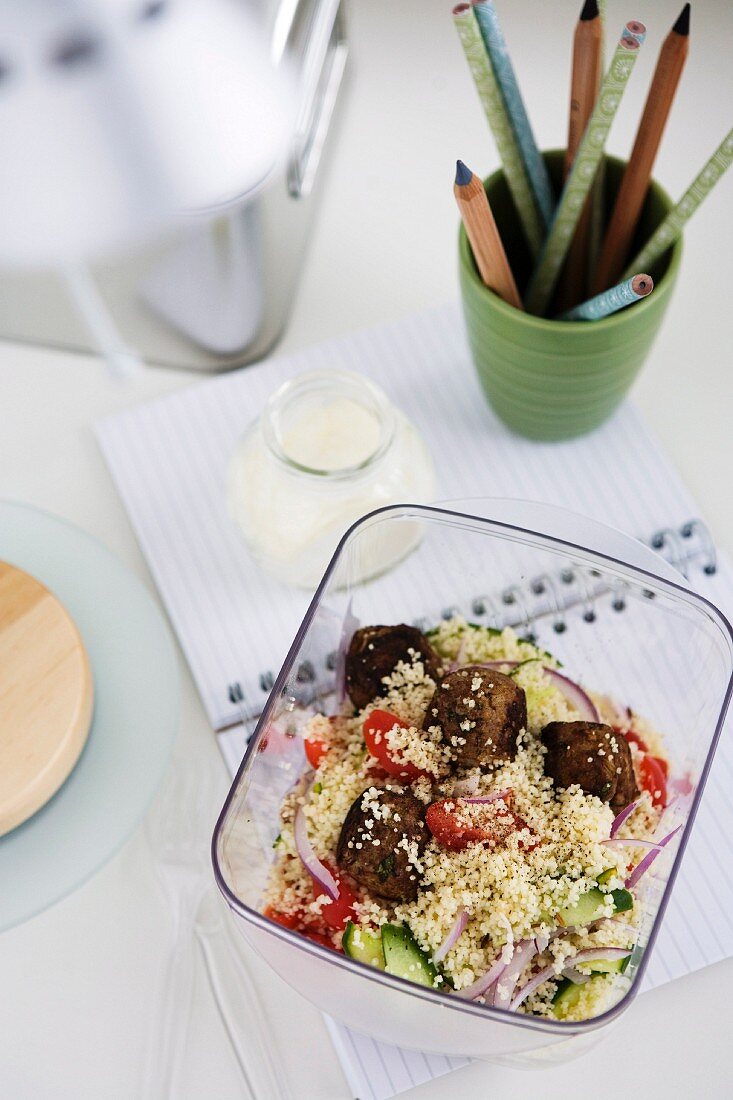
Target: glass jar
x,y
328,448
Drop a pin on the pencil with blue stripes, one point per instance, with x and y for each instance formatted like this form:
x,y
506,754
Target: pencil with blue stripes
x,y
501,62
612,300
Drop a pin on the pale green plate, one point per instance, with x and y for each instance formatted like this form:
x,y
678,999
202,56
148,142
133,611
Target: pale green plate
x,y
135,713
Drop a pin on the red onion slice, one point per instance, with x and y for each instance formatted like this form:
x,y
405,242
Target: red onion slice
x,y
573,693
575,976
620,818
531,985
458,660
504,991
629,842
464,788
317,870
451,939
487,980
592,954
682,784
643,867
488,798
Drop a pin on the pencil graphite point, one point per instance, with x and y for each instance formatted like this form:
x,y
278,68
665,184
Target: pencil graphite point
x,y
682,26
463,175
590,11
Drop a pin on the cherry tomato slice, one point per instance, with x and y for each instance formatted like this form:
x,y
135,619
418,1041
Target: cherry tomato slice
x,y
324,941
294,921
315,750
663,764
493,825
633,738
376,726
654,780
337,914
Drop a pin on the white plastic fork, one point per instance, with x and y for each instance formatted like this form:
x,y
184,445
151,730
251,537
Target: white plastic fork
x,y
177,830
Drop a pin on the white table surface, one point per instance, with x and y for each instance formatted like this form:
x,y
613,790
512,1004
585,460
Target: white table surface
x,y
76,981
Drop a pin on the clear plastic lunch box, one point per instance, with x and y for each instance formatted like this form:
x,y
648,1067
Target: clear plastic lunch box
x,y
627,631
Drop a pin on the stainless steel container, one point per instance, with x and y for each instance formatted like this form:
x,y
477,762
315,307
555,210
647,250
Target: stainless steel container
x,y
216,293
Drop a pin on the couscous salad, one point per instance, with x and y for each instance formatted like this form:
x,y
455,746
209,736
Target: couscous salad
x,y
474,821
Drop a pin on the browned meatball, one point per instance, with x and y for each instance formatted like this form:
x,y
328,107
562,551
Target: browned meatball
x,y
594,756
383,830
480,712
374,653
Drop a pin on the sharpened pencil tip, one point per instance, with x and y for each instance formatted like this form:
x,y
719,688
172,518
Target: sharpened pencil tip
x,y
682,26
590,11
463,175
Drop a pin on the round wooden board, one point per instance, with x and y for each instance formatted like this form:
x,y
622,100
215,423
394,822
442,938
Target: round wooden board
x,y
46,696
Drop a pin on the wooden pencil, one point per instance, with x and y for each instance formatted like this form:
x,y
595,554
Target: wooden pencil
x,y
488,250
635,183
587,74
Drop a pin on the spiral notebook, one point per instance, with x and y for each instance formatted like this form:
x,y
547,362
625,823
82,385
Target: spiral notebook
x,y
169,460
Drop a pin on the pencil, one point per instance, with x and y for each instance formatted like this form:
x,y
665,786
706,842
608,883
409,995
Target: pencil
x,y
610,301
488,251
635,183
584,84
501,62
504,136
670,229
585,166
598,198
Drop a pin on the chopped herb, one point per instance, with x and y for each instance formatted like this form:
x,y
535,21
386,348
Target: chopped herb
x,y
527,661
385,869
317,788
278,840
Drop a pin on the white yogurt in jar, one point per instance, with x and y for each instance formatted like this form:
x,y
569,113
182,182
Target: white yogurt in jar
x,y
328,448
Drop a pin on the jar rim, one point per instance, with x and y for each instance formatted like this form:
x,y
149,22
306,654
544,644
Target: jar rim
x,y
336,383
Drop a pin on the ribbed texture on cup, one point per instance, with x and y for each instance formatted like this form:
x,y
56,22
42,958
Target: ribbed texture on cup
x,y
554,380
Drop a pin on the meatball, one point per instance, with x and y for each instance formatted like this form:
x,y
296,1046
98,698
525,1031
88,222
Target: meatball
x,y
374,653
594,756
375,837
480,713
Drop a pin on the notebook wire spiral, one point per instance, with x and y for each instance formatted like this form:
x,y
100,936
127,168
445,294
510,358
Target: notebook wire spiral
x,y
518,606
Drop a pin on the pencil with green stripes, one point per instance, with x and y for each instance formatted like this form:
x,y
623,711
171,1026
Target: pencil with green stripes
x,y
501,63
612,300
506,140
584,169
670,229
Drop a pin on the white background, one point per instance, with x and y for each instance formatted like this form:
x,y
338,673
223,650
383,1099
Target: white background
x,y
75,983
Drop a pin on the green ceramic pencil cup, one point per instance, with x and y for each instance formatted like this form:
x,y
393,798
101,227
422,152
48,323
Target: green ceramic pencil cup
x,y
553,380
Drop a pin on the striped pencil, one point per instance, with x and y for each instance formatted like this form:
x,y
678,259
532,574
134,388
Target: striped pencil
x,y
488,251
670,229
610,301
585,165
501,63
635,183
506,141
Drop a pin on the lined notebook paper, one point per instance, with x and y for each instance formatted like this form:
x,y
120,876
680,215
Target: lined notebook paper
x,y
169,461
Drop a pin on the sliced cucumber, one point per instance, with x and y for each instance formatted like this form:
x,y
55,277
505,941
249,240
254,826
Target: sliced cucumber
x,y
588,908
606,876
566,997
405,958
604,966
591,905
622,900
364,946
